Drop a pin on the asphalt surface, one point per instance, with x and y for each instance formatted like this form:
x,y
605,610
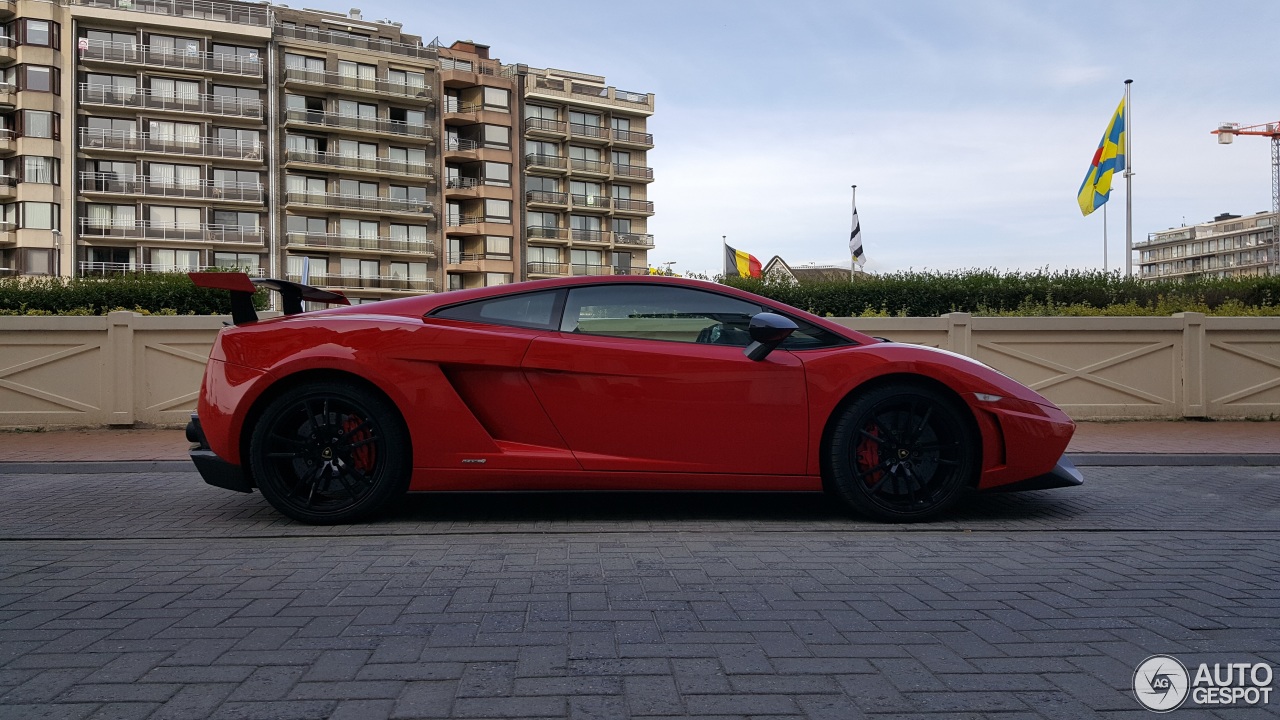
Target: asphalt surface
x,y
153,595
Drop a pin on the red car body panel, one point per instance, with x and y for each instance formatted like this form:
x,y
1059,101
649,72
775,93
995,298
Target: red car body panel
x,y
493,407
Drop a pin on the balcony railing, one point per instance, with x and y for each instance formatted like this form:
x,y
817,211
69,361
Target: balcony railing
x,y
591,269
93,94
155,230
590,131
356,122
635,171
461,144
238,13
110,268
453,105
634,138
94,138
356,162
591,166
592,236
537,232
171,58
168,187
462,183
368,282
380,86
546,124
349,242
546,197
480,67
595,202
331,37
554,87
459,220
544,161
640,239
626,204
358,202
547,268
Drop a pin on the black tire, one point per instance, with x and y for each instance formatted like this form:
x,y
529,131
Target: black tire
x,y
902,453
329,453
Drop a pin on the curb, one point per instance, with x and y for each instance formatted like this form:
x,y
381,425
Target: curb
x,y
71,468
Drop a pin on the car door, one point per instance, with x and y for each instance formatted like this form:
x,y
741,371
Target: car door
x,y
652,377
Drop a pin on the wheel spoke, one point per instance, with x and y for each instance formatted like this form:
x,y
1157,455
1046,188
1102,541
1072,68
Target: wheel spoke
x,y
877,438
924,421
285,455
361,443
884,465
937,446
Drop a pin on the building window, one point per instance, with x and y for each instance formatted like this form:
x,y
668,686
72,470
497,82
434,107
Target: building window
x,y
408,80
169,45
37,261
357,268
491,279
39,78
246,262
232,218
538,147
42,33
42,170
309,225
497,174
39,216
497,211
541,111
621,123
542,219
38,124
497,247
105,217
185,218
546,255
168,260
497,136
497,99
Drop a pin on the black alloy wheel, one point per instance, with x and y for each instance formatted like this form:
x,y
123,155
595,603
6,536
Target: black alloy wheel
x,y
902,453
329,453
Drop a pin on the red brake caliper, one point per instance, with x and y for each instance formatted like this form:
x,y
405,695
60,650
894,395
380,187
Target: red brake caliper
x,y
868,455
364,456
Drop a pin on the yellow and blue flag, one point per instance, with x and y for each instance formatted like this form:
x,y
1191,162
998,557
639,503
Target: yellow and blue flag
x,y
1107,161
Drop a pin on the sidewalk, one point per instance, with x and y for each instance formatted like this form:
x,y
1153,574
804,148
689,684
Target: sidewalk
x,y
1159,437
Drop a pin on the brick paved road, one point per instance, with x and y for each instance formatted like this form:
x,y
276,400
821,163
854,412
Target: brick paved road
x,y
155,596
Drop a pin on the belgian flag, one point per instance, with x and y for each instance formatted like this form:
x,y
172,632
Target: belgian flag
x,y
740,264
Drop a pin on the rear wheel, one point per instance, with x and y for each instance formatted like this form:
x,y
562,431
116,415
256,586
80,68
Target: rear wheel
x,y
329,453
902,453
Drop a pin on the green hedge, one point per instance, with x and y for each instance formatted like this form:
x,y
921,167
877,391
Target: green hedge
x,y
148,293
987,292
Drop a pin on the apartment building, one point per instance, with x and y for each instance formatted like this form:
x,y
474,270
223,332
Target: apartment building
x,y
586,206
1228,246
161,135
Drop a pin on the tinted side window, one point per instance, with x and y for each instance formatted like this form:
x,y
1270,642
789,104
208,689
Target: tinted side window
x,y
531,310
654,312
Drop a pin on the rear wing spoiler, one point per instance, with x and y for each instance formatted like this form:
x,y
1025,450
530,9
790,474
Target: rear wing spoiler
x,y
242,288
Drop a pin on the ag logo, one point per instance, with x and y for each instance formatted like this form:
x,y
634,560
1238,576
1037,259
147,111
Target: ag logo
x,y
1160,683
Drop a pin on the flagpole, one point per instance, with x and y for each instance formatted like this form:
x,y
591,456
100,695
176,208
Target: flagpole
x,y
853,261
1104,237
1128,181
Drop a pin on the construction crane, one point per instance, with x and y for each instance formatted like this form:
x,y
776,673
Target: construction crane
x,y
1227,133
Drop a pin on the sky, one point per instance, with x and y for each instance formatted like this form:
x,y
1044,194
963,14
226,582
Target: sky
x,y
967,125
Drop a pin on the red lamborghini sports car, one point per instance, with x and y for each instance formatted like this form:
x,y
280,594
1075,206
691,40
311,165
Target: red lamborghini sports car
x,y
601,383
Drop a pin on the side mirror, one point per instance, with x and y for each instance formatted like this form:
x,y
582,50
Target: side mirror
x,y
767,332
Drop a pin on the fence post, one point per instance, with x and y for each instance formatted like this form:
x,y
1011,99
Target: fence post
x,y
1193,369
120,367
959,333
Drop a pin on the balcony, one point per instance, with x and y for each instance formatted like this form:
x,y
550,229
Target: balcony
x,y
588,167
7,90
546,197
8,50
638,239
452,106
638,207
535,161
182,232
6,140
343,39
367,203
460,145
237,13
379,165
591,269
144,98
461,220
545,126
636,139
585,94
316,118
581,131
150,186
333,241
353,84
368,282
547,268
471,262
479,67
639,172
169,58
131,142
8,186
579,235
589,202
107,268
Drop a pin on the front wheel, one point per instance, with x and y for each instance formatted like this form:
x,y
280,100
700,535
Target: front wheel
x,y
329,453
902,453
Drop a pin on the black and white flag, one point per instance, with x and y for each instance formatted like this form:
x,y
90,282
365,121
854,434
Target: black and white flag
x,y
855,235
